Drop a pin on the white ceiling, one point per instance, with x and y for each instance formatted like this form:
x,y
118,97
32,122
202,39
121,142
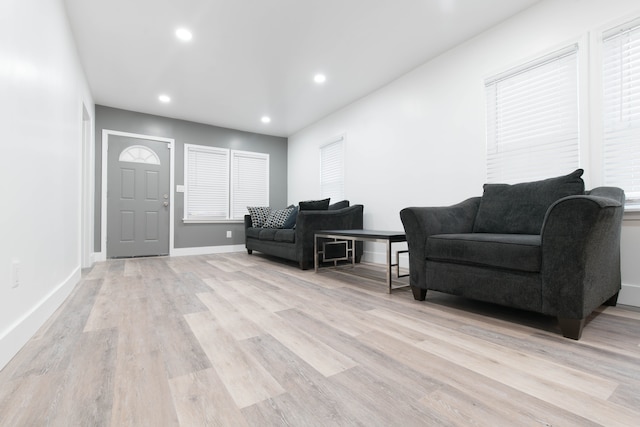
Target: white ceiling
x,y
250,58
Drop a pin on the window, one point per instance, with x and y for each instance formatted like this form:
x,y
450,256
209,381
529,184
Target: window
x,y
332,170
221,183
533,119
206,171
139,154
249,181
621,87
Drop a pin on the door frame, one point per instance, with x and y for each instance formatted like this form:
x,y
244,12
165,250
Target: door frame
x,y
103,214
87,189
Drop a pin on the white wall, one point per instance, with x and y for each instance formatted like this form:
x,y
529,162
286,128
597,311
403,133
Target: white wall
x,y
421,139
42,92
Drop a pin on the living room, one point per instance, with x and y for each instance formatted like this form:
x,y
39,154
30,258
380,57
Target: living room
x,y
419,140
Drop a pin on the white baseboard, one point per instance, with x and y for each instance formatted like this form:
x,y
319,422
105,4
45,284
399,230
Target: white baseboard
x,y
16,335
629,295
206,250
98,256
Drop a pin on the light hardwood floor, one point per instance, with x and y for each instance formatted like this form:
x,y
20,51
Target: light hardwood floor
x,y
246,340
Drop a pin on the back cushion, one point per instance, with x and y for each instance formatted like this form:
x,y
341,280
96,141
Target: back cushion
x,y
339,205
314,205
520,208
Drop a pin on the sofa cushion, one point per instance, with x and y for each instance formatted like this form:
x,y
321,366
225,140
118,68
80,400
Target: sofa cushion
x,y
273,234
259,215
277,218
510,251
339,205
267,233
314,205
521,208
253,232
290,222
286,235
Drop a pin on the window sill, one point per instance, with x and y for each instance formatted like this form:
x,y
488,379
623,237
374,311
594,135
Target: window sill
x,y
212,221
631,214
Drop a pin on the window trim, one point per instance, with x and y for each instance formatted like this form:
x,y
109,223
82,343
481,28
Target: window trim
x,y
596,109
606,35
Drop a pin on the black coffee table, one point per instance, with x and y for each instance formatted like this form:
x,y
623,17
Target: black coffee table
x,y
343,237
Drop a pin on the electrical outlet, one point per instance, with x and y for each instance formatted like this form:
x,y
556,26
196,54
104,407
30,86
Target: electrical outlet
x,y
228,234
15,273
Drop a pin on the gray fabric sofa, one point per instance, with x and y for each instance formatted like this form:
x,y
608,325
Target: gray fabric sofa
x,y
546,246
296,244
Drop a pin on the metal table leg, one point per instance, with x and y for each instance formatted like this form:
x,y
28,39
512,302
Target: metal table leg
x,y
389,266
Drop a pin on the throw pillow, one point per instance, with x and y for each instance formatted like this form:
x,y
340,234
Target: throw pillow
x,y
277,217
521,208
291,219
259,215
314,205
339,205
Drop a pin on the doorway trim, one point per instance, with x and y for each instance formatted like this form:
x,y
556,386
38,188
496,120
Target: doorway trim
x,y
103,214
87,186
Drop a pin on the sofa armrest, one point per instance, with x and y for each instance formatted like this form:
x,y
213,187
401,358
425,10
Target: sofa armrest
x,y
422,222
308,222
247,222
581,252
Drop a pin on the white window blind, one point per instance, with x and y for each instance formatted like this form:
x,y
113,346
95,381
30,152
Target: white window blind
x,y
332,170
621,83
249,181
533,119
206,182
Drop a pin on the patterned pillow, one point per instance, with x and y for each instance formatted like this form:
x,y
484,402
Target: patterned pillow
x,y
291,220
277,217
259,215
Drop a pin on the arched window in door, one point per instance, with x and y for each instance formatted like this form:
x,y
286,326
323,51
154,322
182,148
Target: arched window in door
x,y
139,154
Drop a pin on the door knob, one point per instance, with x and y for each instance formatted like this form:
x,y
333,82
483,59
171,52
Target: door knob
x,y
166,204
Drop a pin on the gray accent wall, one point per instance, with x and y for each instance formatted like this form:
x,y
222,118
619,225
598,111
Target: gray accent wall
x,y
185,132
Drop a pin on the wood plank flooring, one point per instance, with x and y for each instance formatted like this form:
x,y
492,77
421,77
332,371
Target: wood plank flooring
x,y
247,340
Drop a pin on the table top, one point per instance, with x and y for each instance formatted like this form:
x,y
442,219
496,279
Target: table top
x,y
394,236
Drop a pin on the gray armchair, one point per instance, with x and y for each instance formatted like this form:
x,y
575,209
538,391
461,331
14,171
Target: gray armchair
x,y
545,246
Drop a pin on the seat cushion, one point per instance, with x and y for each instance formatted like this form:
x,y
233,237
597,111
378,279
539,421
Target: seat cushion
x,y
267,233
253,232
285,235
510,251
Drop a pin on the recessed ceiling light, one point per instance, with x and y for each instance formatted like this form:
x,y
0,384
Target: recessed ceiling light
x,y
164,98
266,119
184,34
319,78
